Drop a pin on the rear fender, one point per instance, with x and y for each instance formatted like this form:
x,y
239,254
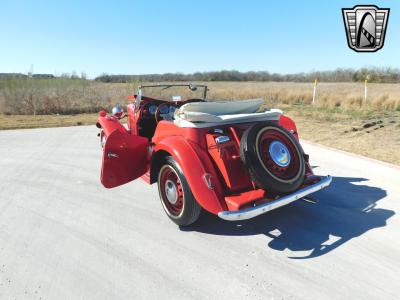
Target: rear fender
x,y
195,163
289,125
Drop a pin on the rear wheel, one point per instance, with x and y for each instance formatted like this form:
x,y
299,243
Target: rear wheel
x,y
175,194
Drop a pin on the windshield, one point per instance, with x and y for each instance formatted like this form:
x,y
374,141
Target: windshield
x,y
174,92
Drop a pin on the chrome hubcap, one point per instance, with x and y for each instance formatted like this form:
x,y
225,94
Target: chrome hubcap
x,y
171,191
279,154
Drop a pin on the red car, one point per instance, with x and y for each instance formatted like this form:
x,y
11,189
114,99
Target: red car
x,y
221,156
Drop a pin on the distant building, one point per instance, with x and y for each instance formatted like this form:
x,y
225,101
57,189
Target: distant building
x,y
20,75
12,75
48,76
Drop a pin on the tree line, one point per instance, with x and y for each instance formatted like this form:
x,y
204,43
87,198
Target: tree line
x,y
379,75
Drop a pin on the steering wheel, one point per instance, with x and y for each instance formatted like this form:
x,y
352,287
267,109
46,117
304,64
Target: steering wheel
x,y
157,115
146,109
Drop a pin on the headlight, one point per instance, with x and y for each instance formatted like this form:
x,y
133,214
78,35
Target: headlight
x,y
117,111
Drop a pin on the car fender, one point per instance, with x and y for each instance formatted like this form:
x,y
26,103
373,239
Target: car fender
x,y
195,163
289,125
110,124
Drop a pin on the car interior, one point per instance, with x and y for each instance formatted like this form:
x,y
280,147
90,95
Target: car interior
x,y
197,113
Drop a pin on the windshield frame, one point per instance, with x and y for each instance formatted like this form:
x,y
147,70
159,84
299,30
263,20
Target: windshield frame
x,y
139,92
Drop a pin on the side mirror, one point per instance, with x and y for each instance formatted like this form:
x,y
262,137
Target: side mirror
x,y
117,111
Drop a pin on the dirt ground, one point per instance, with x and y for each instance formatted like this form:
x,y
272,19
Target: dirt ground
x,y
376,136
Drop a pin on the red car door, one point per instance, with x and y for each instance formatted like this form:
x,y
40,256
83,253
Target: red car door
x,y
125,158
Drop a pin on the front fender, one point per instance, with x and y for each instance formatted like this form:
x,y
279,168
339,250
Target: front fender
x,y
110,124
195,163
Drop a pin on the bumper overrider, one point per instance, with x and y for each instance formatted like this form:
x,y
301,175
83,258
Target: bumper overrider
x,y
255,211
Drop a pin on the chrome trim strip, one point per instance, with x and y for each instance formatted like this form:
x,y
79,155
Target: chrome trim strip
x,y
252,212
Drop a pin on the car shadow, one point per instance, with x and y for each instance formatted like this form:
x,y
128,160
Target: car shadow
x,y
345,210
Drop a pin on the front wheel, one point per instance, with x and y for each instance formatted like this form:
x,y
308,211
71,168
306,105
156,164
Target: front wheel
x,y
175,194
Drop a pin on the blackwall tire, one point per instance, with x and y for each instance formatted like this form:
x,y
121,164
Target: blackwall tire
x,y
182,209
255,153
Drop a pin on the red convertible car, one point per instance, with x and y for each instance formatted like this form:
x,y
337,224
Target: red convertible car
x,y
225,157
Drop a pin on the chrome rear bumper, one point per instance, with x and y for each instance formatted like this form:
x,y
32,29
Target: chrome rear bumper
x,y
252,212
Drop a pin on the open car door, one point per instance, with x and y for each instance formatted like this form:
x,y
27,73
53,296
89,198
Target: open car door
x,y
125,158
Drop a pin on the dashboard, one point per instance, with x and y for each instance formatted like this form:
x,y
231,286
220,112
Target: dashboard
x,y
166,110
163,110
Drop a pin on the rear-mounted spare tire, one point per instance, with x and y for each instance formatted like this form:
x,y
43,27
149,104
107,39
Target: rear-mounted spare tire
x,y
274,157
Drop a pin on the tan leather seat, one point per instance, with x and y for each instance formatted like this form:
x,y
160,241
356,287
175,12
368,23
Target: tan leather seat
x,y
208,114
224,107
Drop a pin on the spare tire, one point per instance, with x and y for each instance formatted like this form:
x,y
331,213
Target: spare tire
x,y
274,157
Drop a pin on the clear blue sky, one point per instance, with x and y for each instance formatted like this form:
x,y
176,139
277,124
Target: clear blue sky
x,y
141,37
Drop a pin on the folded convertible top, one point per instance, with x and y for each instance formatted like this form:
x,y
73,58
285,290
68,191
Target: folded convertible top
x,y
207,114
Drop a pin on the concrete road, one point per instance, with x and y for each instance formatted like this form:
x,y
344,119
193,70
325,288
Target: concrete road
x,y
64,236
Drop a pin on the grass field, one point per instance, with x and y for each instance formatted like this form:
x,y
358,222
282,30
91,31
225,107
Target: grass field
x,y
340,118
346,96
29,121
72,96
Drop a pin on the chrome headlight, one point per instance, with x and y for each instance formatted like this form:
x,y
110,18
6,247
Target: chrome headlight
x,y
117,111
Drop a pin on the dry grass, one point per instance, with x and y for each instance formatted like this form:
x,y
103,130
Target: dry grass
x,y
347,96
373,134
58,96
68,96
339,119
29,121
